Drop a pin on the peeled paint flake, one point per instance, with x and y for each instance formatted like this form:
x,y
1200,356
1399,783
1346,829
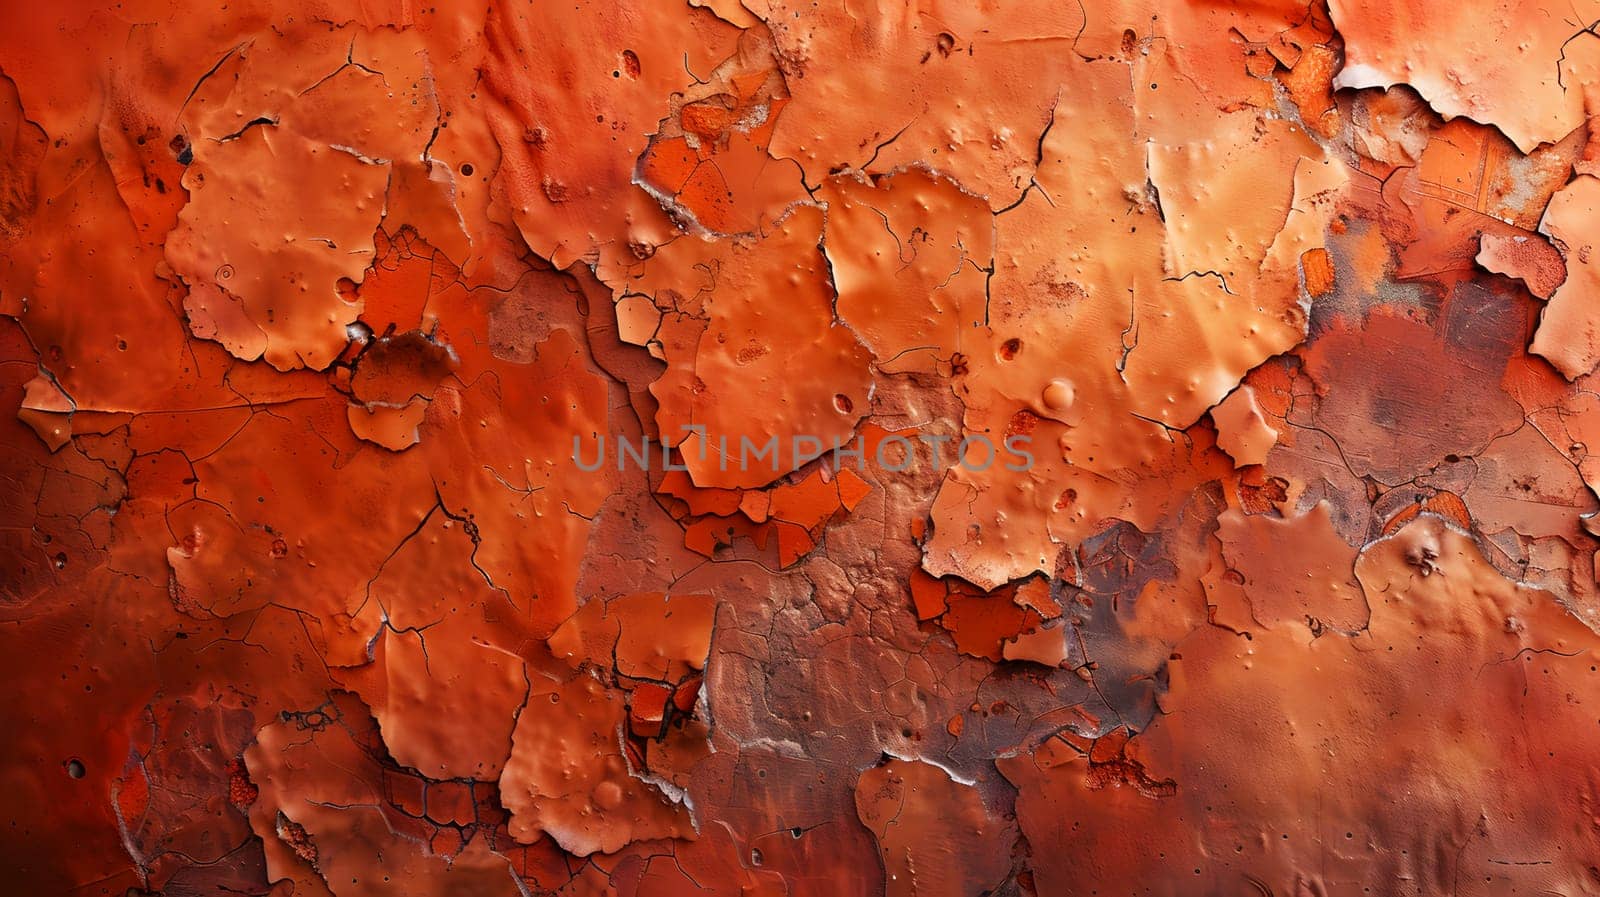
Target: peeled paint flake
x,y
1242,430
567,776
935,833
1569,329
1523,68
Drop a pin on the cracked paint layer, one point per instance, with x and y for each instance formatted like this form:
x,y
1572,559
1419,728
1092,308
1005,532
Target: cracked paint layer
x,y
750,447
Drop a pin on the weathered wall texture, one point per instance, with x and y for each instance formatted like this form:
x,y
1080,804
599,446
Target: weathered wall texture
x,y
304,591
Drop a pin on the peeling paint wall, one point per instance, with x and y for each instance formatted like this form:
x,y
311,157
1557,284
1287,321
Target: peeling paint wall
x,y
378,384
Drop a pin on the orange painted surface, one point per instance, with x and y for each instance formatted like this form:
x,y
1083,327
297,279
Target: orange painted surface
x,y
776,448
